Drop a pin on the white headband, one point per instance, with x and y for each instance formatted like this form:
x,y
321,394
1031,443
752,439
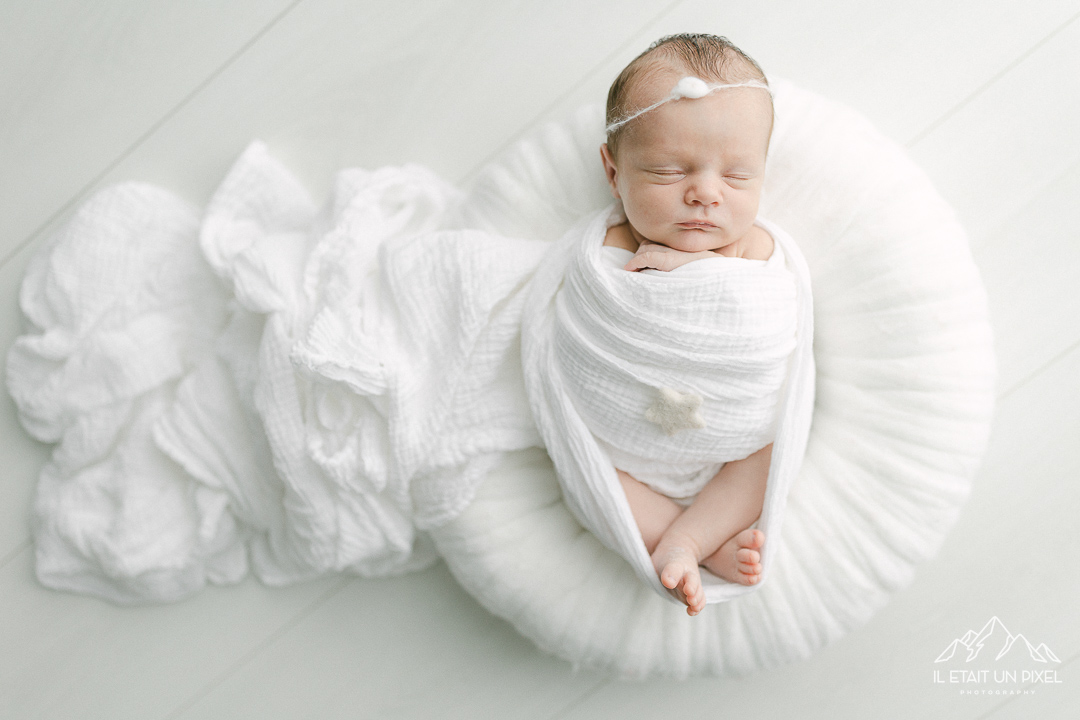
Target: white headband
x,y
689,87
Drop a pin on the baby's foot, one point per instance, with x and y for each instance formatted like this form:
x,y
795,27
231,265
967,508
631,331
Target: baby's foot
x,y
678,570
738,560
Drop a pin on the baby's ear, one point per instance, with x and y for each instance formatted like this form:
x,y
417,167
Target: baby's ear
x,y
609,169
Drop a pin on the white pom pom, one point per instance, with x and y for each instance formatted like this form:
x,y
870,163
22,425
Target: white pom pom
x,y
690,87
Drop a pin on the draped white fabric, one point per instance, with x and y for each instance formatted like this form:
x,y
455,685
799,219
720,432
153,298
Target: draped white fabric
x,y
599,344
310,393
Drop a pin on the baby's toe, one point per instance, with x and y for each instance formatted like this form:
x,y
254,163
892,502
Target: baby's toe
x,y
749,568
751,538
693,593
753,574
746,555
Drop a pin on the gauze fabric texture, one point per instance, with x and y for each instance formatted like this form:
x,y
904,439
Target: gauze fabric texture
x,y
600,346
271,387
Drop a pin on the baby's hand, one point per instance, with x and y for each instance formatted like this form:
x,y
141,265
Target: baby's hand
x,y
661,257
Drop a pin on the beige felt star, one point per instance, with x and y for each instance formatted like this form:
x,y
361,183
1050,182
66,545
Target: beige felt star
x,y
674,411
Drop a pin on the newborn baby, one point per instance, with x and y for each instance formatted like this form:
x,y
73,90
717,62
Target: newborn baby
x,y
687,162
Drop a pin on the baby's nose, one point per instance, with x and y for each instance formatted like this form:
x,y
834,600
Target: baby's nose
x,y
704,190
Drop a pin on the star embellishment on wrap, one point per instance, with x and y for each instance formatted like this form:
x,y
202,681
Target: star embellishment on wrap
x,y
675,411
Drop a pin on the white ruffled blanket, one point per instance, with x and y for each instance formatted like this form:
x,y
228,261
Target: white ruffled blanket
x,y
309,393
602,346
305,392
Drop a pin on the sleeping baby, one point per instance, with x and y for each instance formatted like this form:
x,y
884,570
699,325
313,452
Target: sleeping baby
x,y
689,127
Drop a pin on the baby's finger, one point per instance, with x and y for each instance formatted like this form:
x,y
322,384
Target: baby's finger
x,y
654,260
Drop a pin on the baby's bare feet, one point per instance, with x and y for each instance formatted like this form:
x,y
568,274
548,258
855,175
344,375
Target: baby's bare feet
x,y
678,570
738,560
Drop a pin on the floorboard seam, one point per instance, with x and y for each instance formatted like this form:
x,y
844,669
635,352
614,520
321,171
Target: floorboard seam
x,y
993,711
984,239
1038,371
250,655
14,553
567,93
85,190
561,713
982,88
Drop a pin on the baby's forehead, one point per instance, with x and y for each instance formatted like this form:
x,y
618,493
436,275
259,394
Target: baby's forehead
x,y
653,83
741,106
736,123
657,79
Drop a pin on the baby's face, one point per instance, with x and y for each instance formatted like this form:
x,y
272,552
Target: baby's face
x,y
690,172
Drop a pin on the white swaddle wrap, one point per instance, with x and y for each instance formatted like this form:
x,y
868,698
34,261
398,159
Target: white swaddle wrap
x,y
731,301
602,347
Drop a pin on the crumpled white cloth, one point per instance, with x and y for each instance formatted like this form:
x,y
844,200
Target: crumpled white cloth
x,y
600,345
305,392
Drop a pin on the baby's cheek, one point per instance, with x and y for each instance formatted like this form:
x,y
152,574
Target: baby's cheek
x,y
647,197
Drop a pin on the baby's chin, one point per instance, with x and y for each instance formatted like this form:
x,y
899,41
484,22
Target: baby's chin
x,y
697,247
695,241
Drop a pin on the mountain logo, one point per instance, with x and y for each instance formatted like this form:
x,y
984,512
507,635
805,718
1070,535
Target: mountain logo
x,y
995,638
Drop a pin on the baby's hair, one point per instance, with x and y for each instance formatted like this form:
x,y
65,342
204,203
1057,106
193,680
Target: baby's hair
x,y
709,57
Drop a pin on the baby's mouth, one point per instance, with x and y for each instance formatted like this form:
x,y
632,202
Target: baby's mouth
x,y
697,225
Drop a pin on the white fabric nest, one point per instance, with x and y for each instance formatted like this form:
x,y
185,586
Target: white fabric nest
x,y
904,400
193,377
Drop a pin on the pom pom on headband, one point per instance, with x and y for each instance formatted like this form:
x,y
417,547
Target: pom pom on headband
x,y
691,88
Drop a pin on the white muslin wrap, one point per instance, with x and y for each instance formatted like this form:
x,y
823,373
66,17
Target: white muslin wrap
x,y
600,345
717,332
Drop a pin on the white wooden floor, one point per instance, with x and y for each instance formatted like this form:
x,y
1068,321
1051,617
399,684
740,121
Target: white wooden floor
x,y
985,94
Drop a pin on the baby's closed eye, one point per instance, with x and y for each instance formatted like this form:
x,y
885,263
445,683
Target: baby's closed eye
x,y
739,179
666,178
